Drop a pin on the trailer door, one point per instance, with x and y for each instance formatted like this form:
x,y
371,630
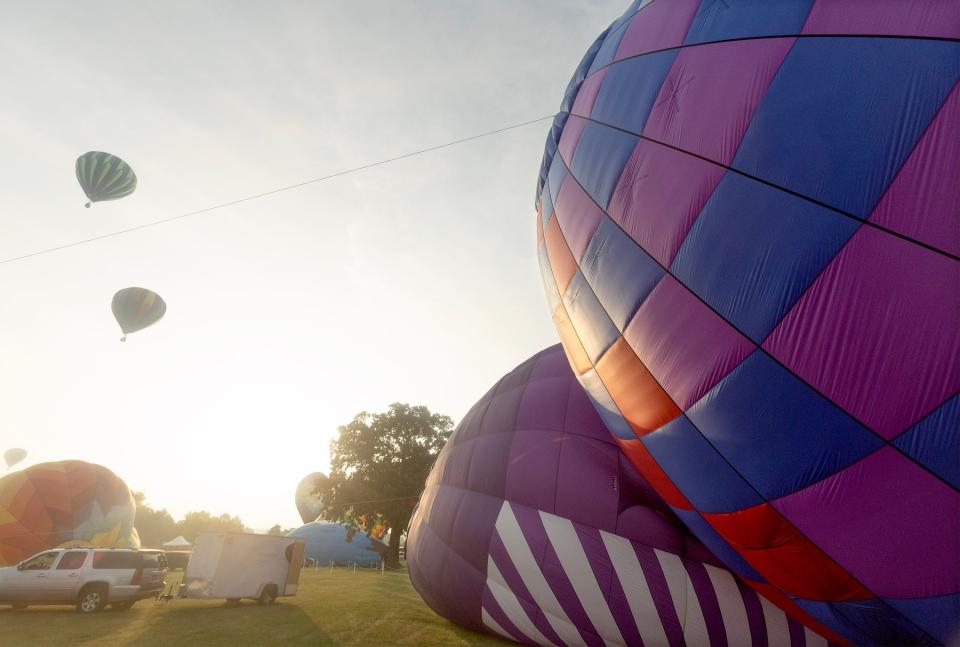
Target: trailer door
x,y
202,567
293,572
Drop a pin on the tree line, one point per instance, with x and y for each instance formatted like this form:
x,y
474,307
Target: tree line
x,y
158,526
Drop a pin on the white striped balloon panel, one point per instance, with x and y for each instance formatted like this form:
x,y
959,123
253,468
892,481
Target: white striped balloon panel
x,y
538,559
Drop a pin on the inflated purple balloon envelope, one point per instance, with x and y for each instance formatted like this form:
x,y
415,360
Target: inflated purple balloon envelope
x,y
749,237
535,527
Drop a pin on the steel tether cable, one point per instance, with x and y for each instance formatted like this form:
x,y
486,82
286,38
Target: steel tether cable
x,y
257,196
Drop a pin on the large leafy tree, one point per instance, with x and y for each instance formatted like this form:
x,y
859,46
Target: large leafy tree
x,y
378,465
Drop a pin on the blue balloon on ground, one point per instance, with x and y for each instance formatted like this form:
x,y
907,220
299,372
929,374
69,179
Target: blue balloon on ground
x,y
333,542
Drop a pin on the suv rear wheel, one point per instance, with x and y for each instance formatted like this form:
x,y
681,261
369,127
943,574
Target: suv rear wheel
x,y
92,599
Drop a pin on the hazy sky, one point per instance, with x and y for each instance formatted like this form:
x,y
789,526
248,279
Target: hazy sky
x,y
416,281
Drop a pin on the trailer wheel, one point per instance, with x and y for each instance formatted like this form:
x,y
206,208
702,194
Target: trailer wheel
x,y
268,595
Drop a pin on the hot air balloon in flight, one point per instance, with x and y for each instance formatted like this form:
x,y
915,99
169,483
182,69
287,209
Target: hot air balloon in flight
x,y
13,456
308,498
749,236
137,308
534,526
64,503
103,176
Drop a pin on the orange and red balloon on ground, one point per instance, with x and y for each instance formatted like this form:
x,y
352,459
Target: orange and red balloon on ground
x,y
64,503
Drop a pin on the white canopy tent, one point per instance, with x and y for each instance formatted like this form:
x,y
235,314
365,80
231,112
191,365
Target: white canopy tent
x,y
177,543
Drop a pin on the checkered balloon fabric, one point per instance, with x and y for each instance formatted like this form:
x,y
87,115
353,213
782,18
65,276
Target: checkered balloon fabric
x,y
748,231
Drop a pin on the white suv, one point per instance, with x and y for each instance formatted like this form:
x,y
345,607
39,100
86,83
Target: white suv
x,y
91,578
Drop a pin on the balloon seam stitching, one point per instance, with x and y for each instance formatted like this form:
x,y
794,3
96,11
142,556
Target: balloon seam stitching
x,y
861,220
757,347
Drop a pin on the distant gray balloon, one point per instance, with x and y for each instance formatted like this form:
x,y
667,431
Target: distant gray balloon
x,y
309,503
13,456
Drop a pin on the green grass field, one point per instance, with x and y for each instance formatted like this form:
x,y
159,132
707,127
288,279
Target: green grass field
x,y
337,607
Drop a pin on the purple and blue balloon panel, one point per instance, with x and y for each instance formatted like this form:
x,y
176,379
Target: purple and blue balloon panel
x,y
536,527
749,233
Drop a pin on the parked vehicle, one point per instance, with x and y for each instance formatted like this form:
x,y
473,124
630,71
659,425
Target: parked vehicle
x,y
90,578
243,565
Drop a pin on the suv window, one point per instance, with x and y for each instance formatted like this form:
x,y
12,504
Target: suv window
x,y
118,559
41,562
71,560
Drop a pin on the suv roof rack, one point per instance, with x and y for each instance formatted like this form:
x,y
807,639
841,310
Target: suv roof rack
x,y
97,548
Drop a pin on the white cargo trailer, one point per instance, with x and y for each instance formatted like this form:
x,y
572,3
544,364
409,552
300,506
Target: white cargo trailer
x,y
243,565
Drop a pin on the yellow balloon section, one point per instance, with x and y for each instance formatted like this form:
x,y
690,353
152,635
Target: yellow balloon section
x,y
64,504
